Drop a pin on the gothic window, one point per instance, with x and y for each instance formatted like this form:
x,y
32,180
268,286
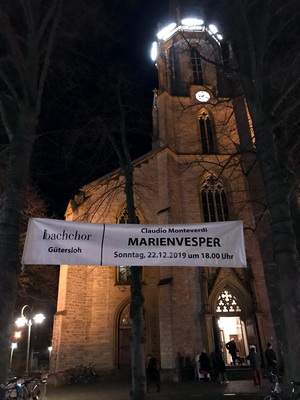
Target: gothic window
x,y
123,275
225,53
196,67
125,320
124,333
172,63
206,133
214,200
227,303
123,271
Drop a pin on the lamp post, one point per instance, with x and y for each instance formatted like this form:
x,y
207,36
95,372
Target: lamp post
x,y
22,321
50,352
13,346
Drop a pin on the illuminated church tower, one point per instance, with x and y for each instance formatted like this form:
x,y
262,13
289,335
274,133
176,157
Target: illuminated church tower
x,y
193,174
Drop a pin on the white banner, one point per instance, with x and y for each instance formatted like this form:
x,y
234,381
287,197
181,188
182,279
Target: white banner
x,y
213,244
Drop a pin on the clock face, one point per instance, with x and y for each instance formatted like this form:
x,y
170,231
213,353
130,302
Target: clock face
x,y
202,96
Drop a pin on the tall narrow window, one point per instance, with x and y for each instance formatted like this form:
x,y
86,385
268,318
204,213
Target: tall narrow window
x,y
123,275
123,271
196,67
206,133
214,200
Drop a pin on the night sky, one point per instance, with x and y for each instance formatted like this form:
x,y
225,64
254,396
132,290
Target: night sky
x,y
57,178
63,161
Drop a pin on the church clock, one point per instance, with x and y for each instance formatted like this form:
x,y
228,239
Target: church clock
x,y
202,96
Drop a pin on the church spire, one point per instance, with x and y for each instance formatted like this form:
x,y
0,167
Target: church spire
x,y
187,8
173,6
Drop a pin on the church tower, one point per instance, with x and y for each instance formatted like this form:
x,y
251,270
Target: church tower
x,y
193,174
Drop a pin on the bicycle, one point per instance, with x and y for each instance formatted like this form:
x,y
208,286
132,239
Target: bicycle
x,y
81,374
275,389
35,387
14,389
20,388
72,375
295,395
88,374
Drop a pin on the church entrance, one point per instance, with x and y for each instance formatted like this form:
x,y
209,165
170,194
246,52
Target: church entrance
x,y
124,332
233,328
230,325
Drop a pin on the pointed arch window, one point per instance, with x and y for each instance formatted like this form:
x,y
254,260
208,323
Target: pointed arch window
x,y
214,200
227,303
123,271
206,133
196,67
125,320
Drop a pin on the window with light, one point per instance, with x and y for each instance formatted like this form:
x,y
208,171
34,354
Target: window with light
x,y
227,302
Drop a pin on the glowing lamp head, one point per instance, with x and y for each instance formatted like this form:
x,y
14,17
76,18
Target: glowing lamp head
x,y
38,318
213,29
192,22
165,31
154,51
18,335
14,345
21,321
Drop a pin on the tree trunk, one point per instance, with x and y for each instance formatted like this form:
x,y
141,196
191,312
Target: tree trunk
x,y
286,262
13,199
137,339
137,303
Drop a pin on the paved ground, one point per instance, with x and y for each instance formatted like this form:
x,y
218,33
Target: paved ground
x,y
176,391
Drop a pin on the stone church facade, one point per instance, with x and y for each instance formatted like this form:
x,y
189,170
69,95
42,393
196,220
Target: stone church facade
x,y
195,173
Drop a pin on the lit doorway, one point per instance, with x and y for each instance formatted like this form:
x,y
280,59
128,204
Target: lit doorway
x,y
233,328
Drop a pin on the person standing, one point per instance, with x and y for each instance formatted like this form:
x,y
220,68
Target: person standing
x,y
271,359
204,365
152,372
254,359
232,348
220,366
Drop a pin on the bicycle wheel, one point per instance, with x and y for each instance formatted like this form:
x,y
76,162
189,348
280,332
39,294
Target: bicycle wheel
x,y
35,394
42,390
273,397
39,392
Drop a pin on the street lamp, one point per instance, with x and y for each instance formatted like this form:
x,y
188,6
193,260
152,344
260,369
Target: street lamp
x,y
13,346
22,321
50,352
17,335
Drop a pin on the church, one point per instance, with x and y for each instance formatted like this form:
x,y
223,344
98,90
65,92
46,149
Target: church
x,y
196,172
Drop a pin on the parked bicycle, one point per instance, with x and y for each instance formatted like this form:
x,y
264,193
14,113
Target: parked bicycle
x,y
275,388
276,392
72,375
23,388
81,374
35,388
13,388
295,395
89,374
